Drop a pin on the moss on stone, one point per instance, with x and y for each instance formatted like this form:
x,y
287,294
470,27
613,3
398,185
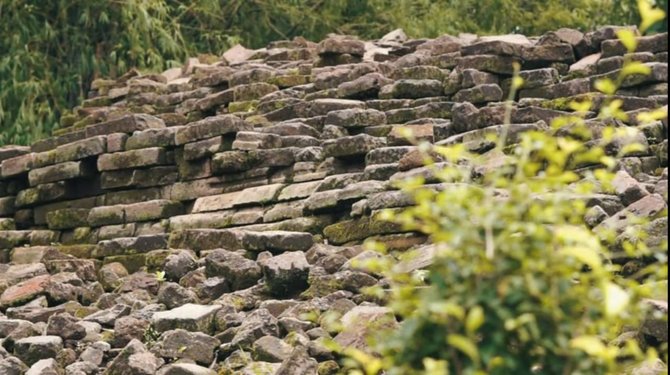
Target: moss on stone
x,y
133,262
80,251
244,106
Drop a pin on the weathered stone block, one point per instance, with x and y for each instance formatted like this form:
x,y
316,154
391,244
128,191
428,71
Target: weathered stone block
x,y
255,141
125,124
339,44
191,317
58,172
544,55
152,210
493,47
206,239
480,94
411,89
106,215
16,165
72,151
211,127
7,206
43,193
67,218
214,100
277,241
489,63
132,159
207,147
559,90
10,151
358,229
162,137
130,245
652,43
538,77
353,145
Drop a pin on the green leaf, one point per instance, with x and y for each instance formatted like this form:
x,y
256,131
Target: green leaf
x,y
592,345
635,67
585,255
649,14
627,38
465,345
606,86
474,320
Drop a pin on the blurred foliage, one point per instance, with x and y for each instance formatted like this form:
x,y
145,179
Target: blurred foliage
x,y
52,50
519,283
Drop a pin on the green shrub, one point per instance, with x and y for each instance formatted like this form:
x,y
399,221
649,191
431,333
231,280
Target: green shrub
x,y
519,284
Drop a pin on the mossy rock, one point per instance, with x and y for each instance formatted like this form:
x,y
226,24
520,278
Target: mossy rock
x,y
155,259
67,218
290,80
328,368
358,229
68,120
132,262
244,106
100,101
80,251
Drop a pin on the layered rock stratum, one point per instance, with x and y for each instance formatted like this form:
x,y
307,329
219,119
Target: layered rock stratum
x,y
202,219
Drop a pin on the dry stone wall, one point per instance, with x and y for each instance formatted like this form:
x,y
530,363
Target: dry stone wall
x,y
251,181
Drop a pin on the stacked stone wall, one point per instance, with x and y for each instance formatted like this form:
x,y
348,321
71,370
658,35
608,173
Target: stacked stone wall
x,y
262,162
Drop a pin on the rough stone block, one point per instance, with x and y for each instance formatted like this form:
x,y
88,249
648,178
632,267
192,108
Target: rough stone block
x,y
130,245
211,127
125,124
191,317
16,165
480,94
132,159
206,239
106,215
59,172
152,210
353,145
67,218
43,193
162,137
72,151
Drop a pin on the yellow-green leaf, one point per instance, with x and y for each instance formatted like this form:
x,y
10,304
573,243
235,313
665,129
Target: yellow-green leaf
x,y
651,116
635,67
435,367
590,344
585,255
606,86
517,82
627,38
465,345
474,320
649,14
581,106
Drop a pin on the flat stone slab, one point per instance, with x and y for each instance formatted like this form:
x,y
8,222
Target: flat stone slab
x,y
211,127
125,124
58,172
190,317
32,349
131,159
277,241
251,196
